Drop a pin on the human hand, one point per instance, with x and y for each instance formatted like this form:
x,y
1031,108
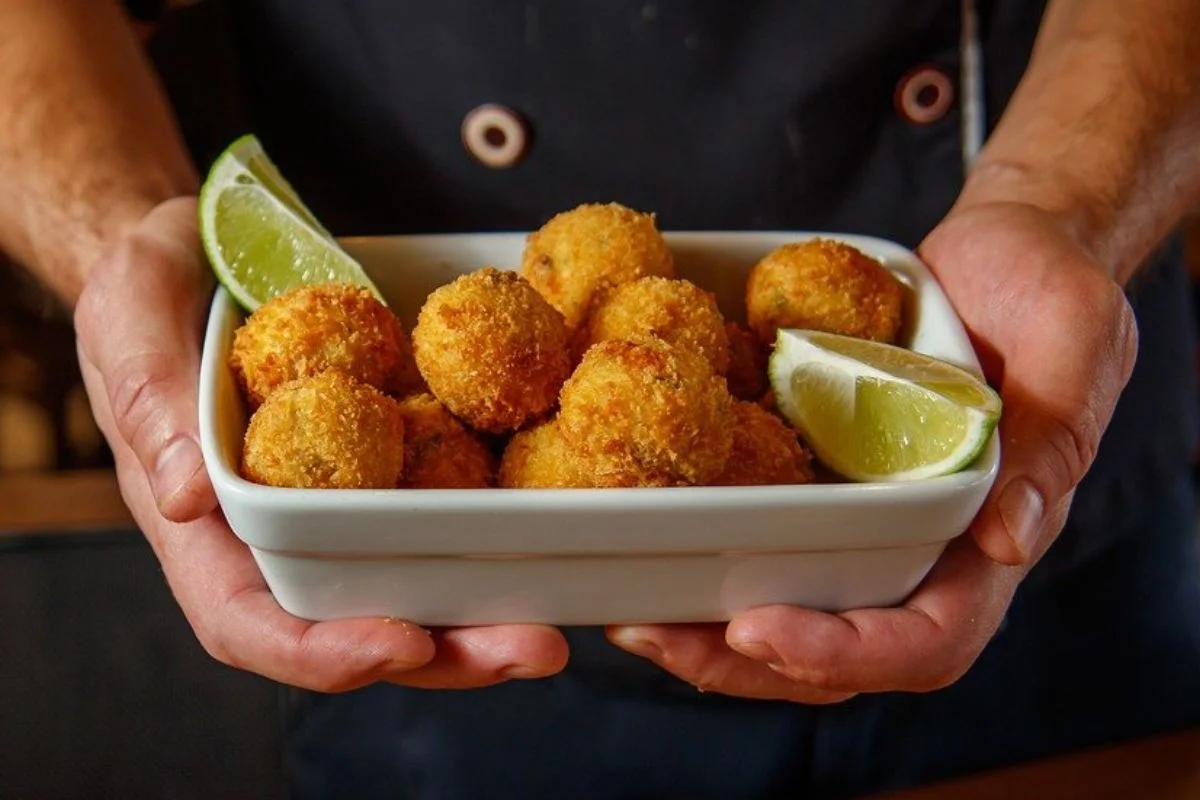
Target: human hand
x,y
1058,339
139,322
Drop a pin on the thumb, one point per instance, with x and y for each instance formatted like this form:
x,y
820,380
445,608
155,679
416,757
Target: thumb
x,y
138,323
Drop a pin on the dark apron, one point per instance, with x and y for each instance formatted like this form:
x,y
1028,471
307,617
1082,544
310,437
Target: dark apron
x,y
747,115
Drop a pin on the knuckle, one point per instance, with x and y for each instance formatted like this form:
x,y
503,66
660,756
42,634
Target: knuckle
x,y
1126,336
1073,430
214,646
138,252
305,660
1120,333
939,679
1073,446
89,315
139,392
949,664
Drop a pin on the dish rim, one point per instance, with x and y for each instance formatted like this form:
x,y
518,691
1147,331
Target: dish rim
x,y
231,486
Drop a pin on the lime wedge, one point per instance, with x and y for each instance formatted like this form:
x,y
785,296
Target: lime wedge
x,y
876,412
260,238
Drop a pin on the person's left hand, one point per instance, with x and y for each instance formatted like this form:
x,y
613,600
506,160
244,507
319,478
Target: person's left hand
x,y
1058,339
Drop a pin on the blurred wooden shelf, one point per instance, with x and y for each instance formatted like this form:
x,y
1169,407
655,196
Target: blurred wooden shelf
x,y
70,501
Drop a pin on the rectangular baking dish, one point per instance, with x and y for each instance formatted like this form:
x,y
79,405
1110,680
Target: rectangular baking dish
x,y
589,556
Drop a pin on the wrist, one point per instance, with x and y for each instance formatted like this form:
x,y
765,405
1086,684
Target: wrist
x,y
68,262
1080,213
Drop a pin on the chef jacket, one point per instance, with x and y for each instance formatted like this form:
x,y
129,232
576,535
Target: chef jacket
x,y
859,116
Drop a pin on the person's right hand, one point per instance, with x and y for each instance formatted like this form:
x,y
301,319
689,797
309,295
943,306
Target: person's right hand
x,y
139,322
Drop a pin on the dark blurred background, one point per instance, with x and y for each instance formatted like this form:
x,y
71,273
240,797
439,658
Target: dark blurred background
x,y
104,691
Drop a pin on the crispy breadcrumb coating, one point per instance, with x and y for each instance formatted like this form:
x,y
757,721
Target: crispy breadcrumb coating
x,y
647,414
823,285
439,452
539,458
766,452
671,310
329,432
492,350
589,249
311,329
747,373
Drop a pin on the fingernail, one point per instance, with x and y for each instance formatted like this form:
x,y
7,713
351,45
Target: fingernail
x,y
1021,506
759,651
521,672
176,465
633,642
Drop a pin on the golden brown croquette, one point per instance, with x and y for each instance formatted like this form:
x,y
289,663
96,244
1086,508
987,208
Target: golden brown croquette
x,y
539,458
492,350
581,253
674,311
827,286
439,452
326,432
765,451
648,414
311,329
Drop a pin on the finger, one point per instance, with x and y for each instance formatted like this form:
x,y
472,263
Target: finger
x,y
1056,411
924,645
248,630
699,655
1069,340
139,324
474,657
234,615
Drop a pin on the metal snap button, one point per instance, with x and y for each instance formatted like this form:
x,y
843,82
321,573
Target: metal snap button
x,y
495,135
924,95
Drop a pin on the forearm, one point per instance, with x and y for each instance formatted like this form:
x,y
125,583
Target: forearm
x,y
87,141
1104,130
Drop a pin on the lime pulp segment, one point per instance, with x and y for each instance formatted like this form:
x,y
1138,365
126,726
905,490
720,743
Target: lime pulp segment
x,y
260,238
874,412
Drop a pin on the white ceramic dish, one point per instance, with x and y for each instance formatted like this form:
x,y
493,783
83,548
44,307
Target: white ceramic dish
x,y
583,556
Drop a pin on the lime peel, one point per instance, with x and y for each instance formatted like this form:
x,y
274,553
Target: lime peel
x,y
880,413
260,238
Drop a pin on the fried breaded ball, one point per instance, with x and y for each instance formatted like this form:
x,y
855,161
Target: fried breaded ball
x,y
308,330
747,373
766,452
439,452
325,432
589,249
647,414
492,350
671,310
539,458
823,285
